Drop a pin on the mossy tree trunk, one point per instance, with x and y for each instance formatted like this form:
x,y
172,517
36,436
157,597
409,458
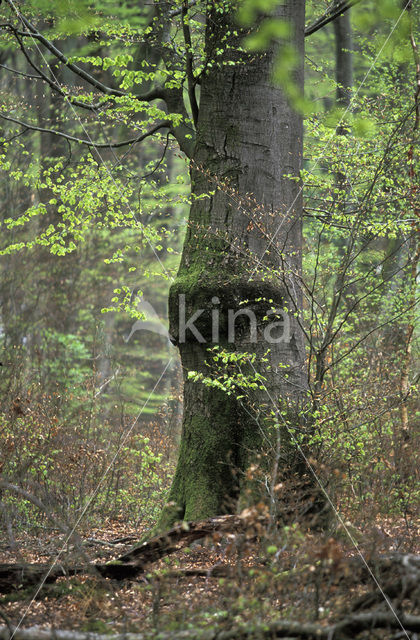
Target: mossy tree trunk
x,y
242,250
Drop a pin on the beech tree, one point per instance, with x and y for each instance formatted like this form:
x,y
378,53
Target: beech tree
x,y
208,74
245,223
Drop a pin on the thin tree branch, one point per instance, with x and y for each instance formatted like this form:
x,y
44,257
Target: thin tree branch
x,y
157,165
189,62
173,98
89,143
370,291
183,132
31,498
20,73
331,14
110,91
383,324
54,86
177,12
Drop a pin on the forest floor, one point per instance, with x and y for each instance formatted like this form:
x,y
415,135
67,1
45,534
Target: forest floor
x,y
223,580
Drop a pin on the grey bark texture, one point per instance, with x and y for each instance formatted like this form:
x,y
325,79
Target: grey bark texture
x,y
344,58
242,250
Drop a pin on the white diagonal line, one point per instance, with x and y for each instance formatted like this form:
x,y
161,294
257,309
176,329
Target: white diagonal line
x,y
337,514
42,583
92,497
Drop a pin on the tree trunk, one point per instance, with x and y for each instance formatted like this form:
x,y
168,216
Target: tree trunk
x,y
343,58
242,251
344,79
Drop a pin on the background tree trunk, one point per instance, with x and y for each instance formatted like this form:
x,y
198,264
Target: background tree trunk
x,y
343,58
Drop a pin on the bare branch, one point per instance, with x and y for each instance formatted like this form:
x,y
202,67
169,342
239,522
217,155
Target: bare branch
x,y
189,62
89,143
35,34
376,328
333,12
54,85
36,501
178,11
20,73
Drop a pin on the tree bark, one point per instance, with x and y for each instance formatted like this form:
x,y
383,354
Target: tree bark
x,y
343,58
242,250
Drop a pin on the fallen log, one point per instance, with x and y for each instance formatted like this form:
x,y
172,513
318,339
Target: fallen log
x,y
20,576
135,561
130,564
399,575
185,533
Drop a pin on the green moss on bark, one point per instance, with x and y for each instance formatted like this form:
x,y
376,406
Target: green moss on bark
x,y
206,480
